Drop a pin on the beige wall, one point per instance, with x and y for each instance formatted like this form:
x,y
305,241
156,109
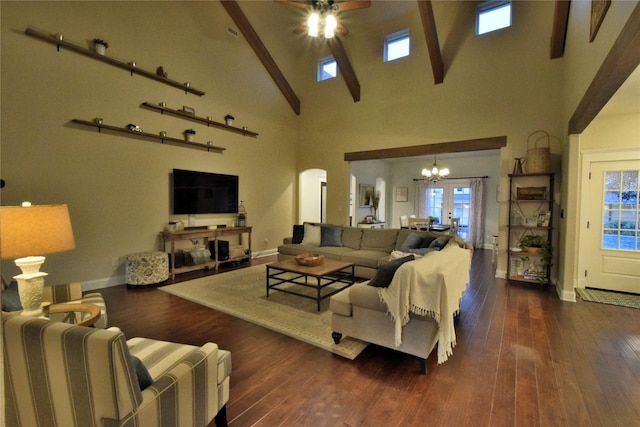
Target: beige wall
x,y
117,188
499,84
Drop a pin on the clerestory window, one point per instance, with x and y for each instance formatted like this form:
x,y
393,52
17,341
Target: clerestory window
x,y
397,45
327,68
493,15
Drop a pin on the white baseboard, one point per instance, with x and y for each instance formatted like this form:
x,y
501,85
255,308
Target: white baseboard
x,y
501,274
102,283
120,280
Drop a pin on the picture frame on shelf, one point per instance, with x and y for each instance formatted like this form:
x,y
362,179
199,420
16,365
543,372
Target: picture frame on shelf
x,y
544,218
188,110
402,194
531,222
531,193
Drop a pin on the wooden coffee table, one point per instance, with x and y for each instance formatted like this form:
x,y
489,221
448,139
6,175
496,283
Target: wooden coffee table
x,y
329,272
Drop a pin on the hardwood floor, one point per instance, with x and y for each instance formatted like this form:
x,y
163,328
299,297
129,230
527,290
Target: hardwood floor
x,y
523,358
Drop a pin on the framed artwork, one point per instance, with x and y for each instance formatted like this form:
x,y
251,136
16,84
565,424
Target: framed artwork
x,y
531,193
598,11
543,219
365,195
188,110
402,194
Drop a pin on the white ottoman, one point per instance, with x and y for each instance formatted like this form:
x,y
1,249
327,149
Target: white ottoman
x,y
147,268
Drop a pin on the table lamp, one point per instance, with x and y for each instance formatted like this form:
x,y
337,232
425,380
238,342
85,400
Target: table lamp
x,y
27,230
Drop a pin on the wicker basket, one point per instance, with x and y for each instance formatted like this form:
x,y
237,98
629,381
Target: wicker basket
x,y
309,260
538,158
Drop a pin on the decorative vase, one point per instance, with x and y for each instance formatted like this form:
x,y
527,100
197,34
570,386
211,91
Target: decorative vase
x,y
100,49
188,137
228,122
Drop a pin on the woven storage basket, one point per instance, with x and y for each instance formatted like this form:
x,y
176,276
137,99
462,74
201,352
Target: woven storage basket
x,y
538,158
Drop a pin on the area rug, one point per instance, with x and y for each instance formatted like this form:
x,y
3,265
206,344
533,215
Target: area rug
x,y
242,293
609,297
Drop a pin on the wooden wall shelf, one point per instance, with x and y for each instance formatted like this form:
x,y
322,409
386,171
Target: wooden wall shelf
x,y
194,118
146,135
53,39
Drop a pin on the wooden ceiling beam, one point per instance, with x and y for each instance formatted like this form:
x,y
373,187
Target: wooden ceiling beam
x,y
559,30
479,144
240,19
622,60
344,65
431,36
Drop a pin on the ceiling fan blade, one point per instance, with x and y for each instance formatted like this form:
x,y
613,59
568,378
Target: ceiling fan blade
x,y
353,4
302,28
341,30
301,5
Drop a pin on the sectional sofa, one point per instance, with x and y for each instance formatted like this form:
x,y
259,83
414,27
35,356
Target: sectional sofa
x,y
367,248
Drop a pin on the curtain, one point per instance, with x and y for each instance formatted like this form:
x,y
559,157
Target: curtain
x,y
476,213
421,198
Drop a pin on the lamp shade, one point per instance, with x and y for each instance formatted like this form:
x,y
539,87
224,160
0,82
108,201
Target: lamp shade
x,y
34,230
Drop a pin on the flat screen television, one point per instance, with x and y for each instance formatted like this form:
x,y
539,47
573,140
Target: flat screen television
x,y
204,193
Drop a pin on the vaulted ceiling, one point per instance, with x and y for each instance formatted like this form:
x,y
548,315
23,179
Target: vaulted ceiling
x,y
286,19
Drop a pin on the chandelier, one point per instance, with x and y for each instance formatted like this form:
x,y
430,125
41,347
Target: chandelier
x,y
322,19
435,174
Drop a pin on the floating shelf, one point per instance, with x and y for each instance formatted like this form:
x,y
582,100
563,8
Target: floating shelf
x,y
53,39
162,139
194,118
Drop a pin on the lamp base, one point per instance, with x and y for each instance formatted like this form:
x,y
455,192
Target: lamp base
x,y
30,264
30,286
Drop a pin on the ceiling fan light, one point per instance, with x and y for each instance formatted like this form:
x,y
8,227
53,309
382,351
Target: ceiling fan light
x,y
312,24
426,172
330,25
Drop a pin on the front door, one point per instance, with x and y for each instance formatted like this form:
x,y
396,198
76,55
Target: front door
x,y
613,241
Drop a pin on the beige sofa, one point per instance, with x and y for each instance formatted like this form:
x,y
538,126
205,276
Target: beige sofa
x,y
414,313
367,248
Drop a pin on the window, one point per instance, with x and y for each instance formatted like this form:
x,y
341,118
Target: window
x,y
396,45
493,15
327,68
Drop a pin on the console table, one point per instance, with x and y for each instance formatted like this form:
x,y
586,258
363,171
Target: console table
x,y
206,235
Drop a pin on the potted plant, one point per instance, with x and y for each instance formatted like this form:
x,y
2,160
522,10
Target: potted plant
x,y
228,119
536,243
100,46
188,134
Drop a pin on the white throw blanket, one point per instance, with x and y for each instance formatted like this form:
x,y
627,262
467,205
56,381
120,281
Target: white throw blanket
x,y
430,286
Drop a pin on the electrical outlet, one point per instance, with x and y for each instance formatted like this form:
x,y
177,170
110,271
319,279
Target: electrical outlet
x,y
115,262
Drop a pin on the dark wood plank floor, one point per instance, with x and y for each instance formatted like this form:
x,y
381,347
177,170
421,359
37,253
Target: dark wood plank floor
x,y
523,358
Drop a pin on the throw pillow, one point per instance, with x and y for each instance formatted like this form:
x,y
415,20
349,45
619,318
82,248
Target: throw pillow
x,y
426,241
412,241
10,298
330,235
311,235
423,251
385,273
298,233
144,378
440,242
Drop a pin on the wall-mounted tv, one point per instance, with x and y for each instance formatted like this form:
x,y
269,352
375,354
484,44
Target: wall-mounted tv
x,y
204,193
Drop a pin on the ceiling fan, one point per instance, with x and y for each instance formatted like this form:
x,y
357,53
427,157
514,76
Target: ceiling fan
x,y
322,15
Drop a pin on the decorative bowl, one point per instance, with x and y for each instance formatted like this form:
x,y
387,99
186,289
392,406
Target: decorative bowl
x,y
309,260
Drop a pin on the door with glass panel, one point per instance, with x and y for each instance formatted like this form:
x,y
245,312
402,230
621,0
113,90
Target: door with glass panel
x,y
450,199
613,250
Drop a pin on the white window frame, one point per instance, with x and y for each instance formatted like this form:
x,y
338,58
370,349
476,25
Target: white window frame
x,y
492,6
395,37
322,62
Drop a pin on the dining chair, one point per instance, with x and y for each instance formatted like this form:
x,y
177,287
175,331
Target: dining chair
x,y
404,221
455,223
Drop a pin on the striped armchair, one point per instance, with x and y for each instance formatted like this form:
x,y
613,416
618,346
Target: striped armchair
x,y
67,375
